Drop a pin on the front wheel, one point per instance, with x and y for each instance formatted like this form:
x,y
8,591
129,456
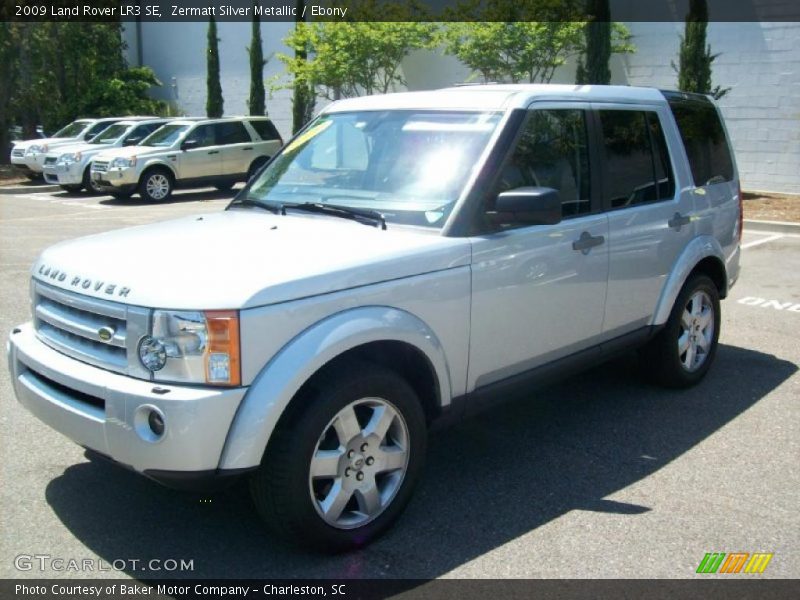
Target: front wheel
x,y
683,351
156,186
342,468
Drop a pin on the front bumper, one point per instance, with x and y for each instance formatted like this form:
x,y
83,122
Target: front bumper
x,y
61,174
107,412
115,179
33,162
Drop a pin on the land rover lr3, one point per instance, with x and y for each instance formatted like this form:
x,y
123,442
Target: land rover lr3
x,y
402,260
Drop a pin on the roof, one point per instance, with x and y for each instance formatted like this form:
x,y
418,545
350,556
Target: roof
x,y
497,97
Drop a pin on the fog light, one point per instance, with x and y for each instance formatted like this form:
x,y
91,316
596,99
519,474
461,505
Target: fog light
x,y
152,353
156,423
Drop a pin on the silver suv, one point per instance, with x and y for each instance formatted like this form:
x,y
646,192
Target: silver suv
x,y
28,156
405,260
187,153
69,166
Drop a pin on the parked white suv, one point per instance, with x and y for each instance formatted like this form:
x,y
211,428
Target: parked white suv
x,y
69,166
405,259
188,153
28,156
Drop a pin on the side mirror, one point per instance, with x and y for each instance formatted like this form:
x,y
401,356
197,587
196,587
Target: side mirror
x,y
530,205
189,144
132,141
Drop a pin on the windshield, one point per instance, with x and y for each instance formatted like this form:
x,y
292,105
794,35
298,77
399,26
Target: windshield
x,y
74,129
165,136
110,135
409,165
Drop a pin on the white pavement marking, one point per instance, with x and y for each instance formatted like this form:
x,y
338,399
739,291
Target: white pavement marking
x,y
770,238
774,304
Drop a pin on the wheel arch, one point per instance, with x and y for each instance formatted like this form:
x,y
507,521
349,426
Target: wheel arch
x,y
157,164
385,335
703,255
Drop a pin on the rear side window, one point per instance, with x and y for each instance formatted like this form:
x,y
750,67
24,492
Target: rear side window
x,y
704,140
265,129
637,168
232,132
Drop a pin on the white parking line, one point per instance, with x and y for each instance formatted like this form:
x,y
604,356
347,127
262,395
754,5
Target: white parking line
x,y
770,238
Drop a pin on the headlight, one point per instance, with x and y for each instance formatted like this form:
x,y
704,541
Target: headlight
x,y
123,163
68,159
36,149
193,347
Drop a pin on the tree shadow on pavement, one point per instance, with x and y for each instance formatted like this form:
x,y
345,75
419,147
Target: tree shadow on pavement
x,y
488,481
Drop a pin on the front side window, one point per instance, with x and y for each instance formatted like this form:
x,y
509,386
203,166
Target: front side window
x,y
552,152
410,165
704,139
204,135
165,136
635,172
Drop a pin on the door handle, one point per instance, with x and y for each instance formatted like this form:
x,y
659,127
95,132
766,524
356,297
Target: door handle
x,y
587,241
678,221
213,152
247,148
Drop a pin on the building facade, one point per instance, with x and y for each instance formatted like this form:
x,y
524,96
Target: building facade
x,y
759,62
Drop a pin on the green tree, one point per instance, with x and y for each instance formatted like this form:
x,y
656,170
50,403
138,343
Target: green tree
x,y
303,97
695,58
257,95
214,102
353,58
53,72
594,67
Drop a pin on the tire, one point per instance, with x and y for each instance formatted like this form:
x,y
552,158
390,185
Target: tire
x,y
224,186
362,496
684,350
256,165
88,184
156,185
72,189
34,176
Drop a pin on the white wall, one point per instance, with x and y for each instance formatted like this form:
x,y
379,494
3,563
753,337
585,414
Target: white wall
x,y
759,61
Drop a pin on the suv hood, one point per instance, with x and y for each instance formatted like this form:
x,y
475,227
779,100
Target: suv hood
x,y
79,147
128,151
241,259
42,141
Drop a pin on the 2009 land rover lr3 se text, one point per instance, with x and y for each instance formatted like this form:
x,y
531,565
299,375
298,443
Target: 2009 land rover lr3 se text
x,y
403,260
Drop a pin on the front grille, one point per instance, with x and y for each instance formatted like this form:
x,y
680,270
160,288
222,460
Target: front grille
x,y
50,160
18,152
101,166
98,332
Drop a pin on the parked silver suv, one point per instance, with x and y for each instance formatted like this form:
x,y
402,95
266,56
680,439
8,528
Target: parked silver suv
x,y
187,153
405,259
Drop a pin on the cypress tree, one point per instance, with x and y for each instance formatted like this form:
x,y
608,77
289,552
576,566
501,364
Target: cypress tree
x,y
214,88
303,100
695,58
257,62
593,68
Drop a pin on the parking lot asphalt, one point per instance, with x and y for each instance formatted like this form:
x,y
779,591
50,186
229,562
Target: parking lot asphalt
x,y
599,476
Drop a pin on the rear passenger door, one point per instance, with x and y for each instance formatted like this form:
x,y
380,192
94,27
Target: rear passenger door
x,y
649,217
237,147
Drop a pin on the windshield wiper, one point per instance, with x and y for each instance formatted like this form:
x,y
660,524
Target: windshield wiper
x,y
276,209
336,210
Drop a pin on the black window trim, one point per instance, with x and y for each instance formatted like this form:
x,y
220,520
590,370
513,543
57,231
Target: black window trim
x,y
599,144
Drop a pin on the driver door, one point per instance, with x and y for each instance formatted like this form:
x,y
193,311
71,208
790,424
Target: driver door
x,y
538,291
203,159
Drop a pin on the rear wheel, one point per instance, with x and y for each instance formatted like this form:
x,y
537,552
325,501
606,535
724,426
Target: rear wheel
x,y
683,351
343,467
156,185
256,165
